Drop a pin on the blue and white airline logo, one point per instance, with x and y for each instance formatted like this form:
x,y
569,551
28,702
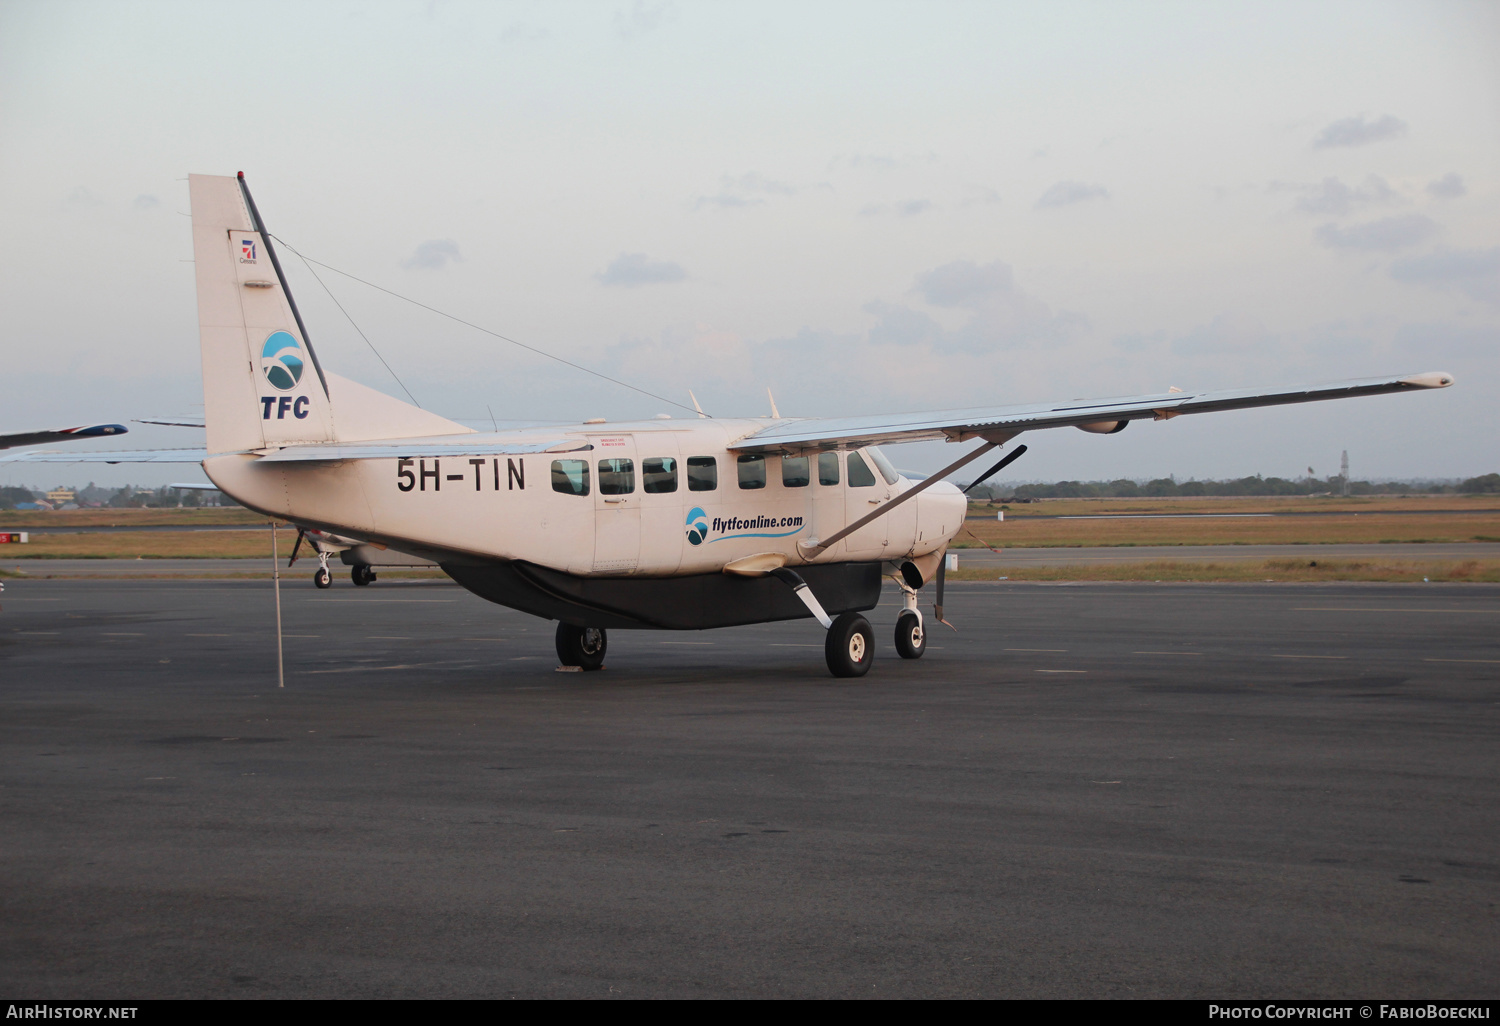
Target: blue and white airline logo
x,y
697,525
282,361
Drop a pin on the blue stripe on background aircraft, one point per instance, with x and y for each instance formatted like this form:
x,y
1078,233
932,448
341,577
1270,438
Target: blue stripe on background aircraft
x,y
660,524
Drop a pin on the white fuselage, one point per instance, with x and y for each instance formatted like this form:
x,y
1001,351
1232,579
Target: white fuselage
x,y
666,512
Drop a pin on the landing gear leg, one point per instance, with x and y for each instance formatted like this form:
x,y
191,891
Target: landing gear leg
x,y
321,577
911,634
582,647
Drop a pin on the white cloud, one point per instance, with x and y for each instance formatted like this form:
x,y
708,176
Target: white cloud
x,y
432,255
1386,234
1450,186
641,18
1332,198
904,208
630,270
1359,131
1067,193
145,202
1475,272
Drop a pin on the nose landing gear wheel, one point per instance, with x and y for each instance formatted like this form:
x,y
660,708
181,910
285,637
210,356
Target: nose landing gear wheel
x,y
361,574
582,647
322,578
850,646
911,639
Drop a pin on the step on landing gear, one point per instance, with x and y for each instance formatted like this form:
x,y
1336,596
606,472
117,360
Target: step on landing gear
x,y
361,574
582,647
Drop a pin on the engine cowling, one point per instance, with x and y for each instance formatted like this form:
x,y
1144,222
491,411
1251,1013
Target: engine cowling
x,y
1103,427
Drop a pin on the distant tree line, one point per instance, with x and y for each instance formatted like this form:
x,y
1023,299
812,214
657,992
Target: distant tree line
x,y
128,497
1167,487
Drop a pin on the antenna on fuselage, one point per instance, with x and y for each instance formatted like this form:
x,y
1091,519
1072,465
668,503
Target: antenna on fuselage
x,y
775,413
695,404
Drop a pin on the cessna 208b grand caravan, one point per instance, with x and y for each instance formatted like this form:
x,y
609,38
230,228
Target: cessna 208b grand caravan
x,y
660,524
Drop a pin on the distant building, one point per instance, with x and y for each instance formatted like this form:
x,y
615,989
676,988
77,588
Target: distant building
x,y
60,495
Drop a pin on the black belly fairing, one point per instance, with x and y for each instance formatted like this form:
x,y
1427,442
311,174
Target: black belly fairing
x,y
666,603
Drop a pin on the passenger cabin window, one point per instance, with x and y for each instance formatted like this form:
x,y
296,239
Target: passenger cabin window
x,y
859,473
702,473
616,477
828,468
571,477
883,465
794,471
659,474
752,471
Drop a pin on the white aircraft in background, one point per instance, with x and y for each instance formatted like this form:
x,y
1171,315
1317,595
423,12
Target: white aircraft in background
x,y
657,524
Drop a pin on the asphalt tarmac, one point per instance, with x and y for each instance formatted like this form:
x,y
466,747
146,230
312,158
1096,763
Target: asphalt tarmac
x,y
1069,556
1110,790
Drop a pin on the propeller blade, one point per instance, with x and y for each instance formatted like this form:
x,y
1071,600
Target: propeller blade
x,y
1007,461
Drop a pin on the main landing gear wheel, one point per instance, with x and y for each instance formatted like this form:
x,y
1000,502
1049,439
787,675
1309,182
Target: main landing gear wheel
x,y
322,578
911,639
850,646
361,574
582,647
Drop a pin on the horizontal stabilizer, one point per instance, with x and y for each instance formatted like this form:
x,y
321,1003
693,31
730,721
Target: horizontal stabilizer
x,y
117,456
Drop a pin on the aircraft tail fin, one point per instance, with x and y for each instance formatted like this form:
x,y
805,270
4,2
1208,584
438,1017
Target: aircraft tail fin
x,y
262,383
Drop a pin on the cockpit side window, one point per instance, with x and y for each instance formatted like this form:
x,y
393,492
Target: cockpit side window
x,y
794,472
828,468
860,475
571,477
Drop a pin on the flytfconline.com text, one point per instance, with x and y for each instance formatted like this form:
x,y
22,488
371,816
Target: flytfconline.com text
x,y
1371,1011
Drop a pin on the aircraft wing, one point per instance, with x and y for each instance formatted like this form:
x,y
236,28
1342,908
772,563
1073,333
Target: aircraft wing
x,y
8,441
115,456
792,436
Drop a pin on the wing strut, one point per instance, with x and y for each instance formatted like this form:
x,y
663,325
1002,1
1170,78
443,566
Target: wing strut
x,y
910,493
1007,461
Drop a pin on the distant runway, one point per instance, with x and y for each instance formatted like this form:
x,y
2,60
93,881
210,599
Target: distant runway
x,y
967,558
1090,790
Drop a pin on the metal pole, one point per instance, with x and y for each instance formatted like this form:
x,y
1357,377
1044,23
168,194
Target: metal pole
x,y
276,584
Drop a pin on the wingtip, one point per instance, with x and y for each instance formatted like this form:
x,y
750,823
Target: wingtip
x,y
1431,379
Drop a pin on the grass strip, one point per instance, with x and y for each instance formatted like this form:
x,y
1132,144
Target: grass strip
x,y
1278,570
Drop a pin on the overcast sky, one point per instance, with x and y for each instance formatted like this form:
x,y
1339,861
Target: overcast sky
x,y
867,207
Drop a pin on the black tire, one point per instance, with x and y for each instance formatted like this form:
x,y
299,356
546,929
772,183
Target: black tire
x,y
850,646
361,574
911,638
583,647
322,578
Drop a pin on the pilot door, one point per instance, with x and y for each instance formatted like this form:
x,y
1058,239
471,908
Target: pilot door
x,y
617,506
